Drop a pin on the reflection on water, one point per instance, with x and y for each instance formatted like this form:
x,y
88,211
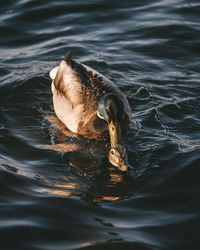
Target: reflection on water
x,y
94,194
64,189
84,159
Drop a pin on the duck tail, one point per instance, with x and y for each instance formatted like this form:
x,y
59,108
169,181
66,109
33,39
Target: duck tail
x,y
68,59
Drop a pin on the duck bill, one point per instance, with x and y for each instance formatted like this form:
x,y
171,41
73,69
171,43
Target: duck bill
x,y
115,134
117,154
123,166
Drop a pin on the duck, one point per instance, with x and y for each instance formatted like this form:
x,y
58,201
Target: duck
x,y
92,106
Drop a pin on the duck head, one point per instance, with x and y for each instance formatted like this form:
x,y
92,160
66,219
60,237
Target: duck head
x,y
111,108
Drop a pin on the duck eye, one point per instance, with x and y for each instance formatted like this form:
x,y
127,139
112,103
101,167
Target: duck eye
x,y
112,152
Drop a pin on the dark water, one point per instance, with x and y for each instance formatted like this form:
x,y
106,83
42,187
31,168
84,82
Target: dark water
x,y
50,200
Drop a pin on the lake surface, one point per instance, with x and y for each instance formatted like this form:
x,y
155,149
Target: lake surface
x,y
59,192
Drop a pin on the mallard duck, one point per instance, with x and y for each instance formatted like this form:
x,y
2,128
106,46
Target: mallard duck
x,y
91,105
